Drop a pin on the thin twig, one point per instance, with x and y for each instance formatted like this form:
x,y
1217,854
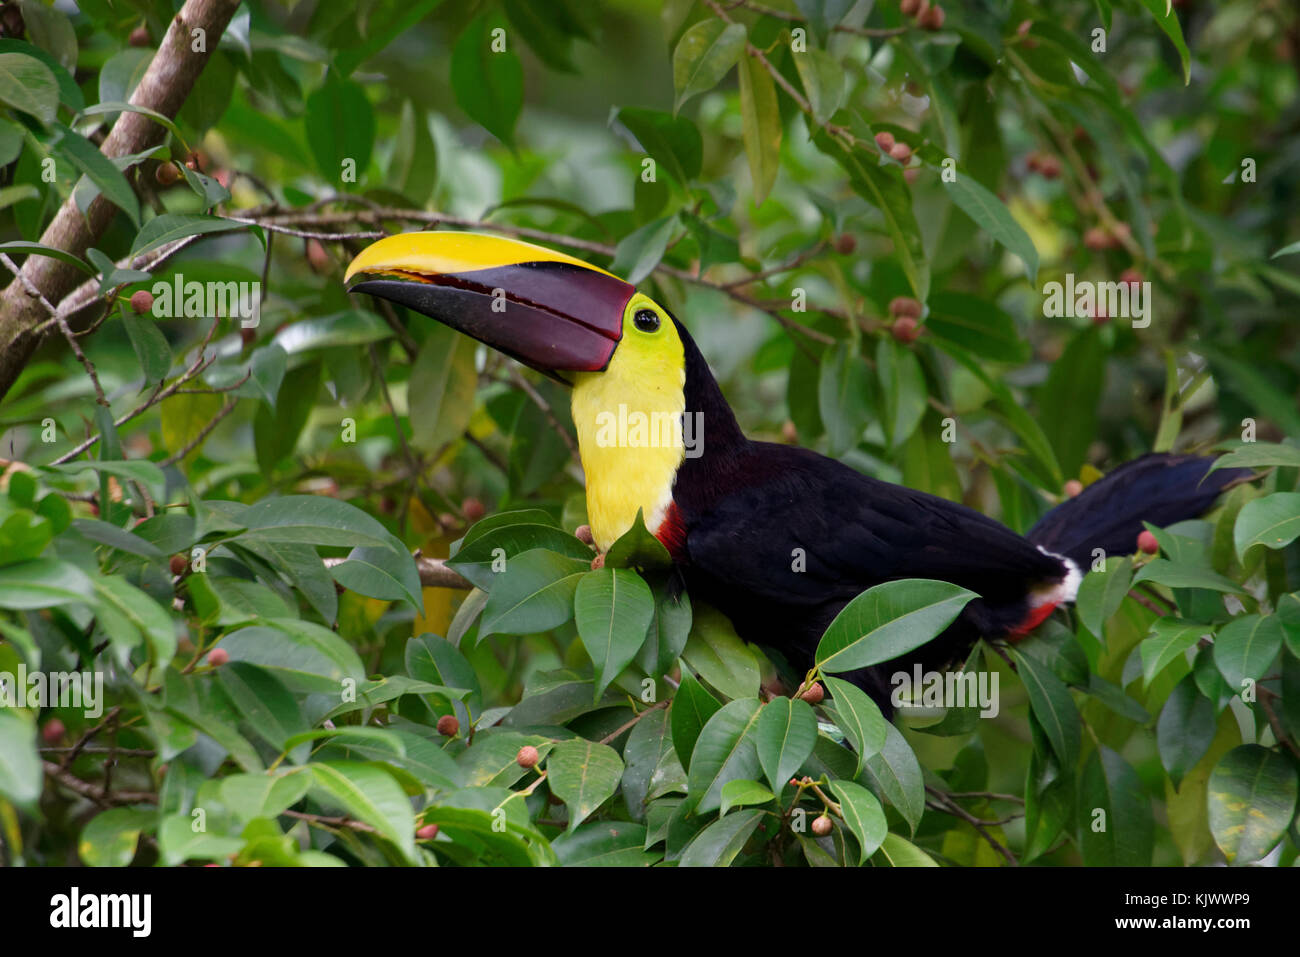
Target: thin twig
x,y
945,805
873,32
95,793
613,735
434,573
203,434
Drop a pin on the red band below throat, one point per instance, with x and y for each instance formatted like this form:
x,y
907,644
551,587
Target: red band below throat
x,y
672,532
1036,617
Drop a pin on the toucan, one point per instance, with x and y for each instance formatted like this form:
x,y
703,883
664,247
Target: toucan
x,y
733,513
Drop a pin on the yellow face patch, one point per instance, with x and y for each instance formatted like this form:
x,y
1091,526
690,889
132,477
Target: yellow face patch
x,y
629,419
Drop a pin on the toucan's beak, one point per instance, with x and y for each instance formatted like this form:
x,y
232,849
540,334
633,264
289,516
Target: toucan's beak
x,y
550,311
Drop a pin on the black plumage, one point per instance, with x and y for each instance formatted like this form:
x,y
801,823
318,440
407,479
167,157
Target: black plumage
x,y
743,509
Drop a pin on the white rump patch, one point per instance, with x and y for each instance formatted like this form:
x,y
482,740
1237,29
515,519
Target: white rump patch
x,y
1065,590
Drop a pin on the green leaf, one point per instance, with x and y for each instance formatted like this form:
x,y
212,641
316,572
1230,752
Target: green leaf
x,y
902,388
434,659
1252,798
480,831
719,656
348,328
725,751
488,557
640,251
760,118
1069,398
784,737
385,572
647,745
823,82
1288,612
370,795
1010,412
305,656
1053,706
22,247
823,15
1101,593
899,852
859,718
179,842
20,765
1185,729
1162,571
1115,824
110,837
863,815
413,169
146,618
441,390
703,56
265,703
1259,454
1272,521
491,761
535,594
612,608
691,710
27,84
150,346
99,109
638,548
1245,647
672,141
584,775
183,419
86,157
305,571
264,795
170,227
1165,16
977,325
311,520
69,93
888,621
993,217
41,583
382,30
844,398
489,85
886,190
743,793
340,127
1167,642
896,776
669,630
605,844
719,843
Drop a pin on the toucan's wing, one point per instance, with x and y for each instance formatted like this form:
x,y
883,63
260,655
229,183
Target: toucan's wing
x,y
813,529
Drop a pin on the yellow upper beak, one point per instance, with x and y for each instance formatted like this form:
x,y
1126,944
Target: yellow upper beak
x,y
452,253
549,310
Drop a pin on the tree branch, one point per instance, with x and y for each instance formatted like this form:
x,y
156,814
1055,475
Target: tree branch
x,y
164,88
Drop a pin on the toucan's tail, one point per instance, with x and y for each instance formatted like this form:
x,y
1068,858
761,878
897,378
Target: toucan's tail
x,y
1159,488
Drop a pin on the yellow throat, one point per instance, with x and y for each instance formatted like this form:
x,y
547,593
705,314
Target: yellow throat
x,y
628,419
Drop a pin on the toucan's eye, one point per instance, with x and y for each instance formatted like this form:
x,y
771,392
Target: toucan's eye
x,y
646,320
